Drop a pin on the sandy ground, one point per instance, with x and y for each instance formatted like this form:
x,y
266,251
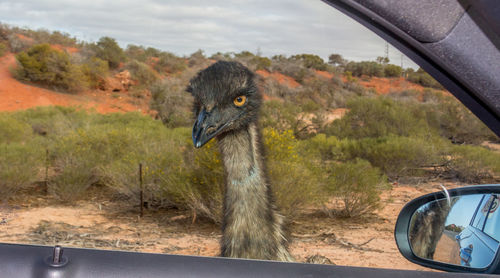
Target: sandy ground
x,y
100,223
447,249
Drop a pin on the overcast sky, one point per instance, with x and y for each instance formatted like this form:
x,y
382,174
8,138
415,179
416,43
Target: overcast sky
x,y
182,27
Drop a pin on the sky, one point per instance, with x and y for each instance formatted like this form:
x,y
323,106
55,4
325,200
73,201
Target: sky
x,y
182,27
461,213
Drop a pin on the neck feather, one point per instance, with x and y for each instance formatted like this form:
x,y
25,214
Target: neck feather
x,y
248,213
251,226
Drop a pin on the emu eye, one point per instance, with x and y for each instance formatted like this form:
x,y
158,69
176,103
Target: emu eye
x,y
239,101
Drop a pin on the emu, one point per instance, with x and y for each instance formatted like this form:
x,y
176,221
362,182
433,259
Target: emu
x,y
227,102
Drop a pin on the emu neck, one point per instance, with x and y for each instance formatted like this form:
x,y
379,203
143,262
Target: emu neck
x,y
241,157
248,216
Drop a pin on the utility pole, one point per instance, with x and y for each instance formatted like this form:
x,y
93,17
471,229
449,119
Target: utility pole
x,y
387,50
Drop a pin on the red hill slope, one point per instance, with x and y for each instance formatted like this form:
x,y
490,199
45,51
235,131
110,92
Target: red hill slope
x,y
15,95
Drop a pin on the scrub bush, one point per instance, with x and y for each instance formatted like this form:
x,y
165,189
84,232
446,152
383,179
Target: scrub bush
x,y
473,164
20,164
379,117
43,65
108,50
356,185
173,103
95,70
142,73
396,156
295,180
169,63
3,49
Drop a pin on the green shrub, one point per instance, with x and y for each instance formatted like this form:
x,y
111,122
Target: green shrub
x,y
95,70
396,156
291,67
365,68
136,52
169,63
281,115
356,185
336,60
294,180
310,61
78,157
142,73
108,50
57,121
20,164
198,59
13,130
46,36
75,173
204,193
423,78
322,147
250,60
165,173
378,117
44,65
456,123
3,49
473,164
261,63
391,70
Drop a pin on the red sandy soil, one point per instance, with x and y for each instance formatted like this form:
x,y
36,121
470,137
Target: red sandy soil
x,y
281,78
15,95
65,48
385,85
100,223
382,85
324,74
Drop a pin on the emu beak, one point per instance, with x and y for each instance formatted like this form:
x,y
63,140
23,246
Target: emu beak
x,y
204,129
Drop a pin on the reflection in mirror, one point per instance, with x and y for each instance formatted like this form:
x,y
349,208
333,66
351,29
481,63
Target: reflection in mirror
x,y
462,230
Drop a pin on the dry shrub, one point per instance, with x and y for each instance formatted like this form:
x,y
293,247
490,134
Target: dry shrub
x,y
473,164
356,185
173,103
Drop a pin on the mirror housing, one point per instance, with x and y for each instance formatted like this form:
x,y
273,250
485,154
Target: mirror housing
x,y
404,222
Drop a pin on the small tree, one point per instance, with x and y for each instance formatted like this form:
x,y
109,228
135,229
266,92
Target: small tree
x,y
310,61
392,70
382,60
336,60
107,49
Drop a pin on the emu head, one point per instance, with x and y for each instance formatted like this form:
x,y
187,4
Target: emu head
x,y
225,99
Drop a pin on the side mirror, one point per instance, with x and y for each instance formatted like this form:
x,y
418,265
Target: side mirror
x,y
454,230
